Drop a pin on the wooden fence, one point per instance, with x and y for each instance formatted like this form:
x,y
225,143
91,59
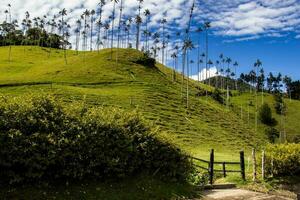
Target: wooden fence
x,y
211,164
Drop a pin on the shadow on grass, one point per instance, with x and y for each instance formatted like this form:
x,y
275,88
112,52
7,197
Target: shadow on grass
x,y
141,187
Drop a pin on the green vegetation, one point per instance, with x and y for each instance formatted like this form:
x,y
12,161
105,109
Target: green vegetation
x,y
285,158
92,76
43,140
140,187
265,115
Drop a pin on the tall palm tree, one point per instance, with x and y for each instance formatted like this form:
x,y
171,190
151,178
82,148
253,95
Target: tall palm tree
x,y
199,30
112,26
85,17
206,28
235,64
120,23
99,23
92,13
138,24
209,63
186,42
9,12
77,32
63,13
257,65
174,56
188,45
147,15
163,22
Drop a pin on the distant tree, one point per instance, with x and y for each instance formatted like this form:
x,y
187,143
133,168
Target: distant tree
x,y
295,90
138,21
112,26
265,115
147,14
92,13
287,82
272,134
207,26
163,23
199,31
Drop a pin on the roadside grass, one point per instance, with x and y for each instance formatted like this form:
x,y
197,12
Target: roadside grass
x,y
140,187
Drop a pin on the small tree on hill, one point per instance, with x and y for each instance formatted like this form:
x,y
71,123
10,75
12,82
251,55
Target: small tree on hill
x,y
265,115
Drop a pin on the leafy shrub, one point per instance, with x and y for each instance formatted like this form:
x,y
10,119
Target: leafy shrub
x,y
279,105
272,134
265,115
145,60
41,138
218,96
286,159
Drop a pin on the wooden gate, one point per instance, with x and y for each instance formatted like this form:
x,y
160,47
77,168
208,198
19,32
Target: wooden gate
x,y
211,163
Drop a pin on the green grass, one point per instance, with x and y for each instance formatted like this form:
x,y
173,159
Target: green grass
x,y
129,189
92,76
100,81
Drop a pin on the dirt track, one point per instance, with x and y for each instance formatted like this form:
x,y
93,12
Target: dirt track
x,y
239,194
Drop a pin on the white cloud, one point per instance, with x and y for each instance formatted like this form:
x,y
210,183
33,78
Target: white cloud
x,y
238,19
202,75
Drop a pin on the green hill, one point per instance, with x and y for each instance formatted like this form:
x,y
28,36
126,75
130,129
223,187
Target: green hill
x,y
93,76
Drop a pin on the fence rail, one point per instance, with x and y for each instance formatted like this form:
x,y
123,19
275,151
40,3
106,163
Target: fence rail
x,y
210,168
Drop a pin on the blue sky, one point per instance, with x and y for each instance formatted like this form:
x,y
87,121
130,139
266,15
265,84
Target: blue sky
x,y
277,54
243,30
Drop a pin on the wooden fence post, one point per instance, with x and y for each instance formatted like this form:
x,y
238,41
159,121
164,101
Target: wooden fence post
x,y
211,167
254,164
224,169
242,161
263,165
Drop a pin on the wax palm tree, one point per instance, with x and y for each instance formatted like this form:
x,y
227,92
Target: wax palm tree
x,y
163,22
188,45
199,31
174,56
235,64
106,38
147,15
129,22
155,37
113,25
209,64
138,24
257,65
99,23
9,12
217,74
92,13
63,13
120,23
85,17
6,14
206,28
77,32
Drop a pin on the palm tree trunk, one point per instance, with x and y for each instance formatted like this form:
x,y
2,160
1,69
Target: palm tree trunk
x,y
112,28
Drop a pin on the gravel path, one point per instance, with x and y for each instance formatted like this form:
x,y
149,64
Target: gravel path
x,y
239,194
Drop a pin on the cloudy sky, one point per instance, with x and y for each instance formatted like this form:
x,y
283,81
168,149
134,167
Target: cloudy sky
x,y
244,30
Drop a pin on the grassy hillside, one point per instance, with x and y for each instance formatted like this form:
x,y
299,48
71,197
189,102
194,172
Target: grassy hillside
x,y
93,76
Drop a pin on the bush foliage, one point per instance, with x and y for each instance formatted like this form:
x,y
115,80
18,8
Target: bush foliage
x,y
42,138
265,115
286,159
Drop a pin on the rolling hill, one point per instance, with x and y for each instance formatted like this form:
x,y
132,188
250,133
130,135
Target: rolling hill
x,y
124,83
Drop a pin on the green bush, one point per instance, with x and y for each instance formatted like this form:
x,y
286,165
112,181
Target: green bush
x,y
286,159
265,115
272,134
145,60
218,96
42,138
